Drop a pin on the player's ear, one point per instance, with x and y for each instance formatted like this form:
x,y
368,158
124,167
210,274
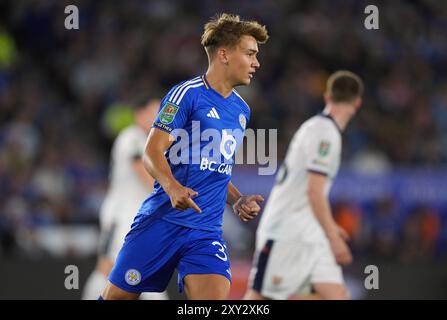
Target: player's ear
x,y
327,97
222,55
357,103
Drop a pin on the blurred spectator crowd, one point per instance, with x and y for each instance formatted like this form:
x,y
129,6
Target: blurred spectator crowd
x,y
56,86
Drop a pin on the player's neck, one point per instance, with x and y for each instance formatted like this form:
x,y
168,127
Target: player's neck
x,y
340,116
218,82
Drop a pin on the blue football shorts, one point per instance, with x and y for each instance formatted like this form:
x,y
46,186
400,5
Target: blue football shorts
x,y
154,248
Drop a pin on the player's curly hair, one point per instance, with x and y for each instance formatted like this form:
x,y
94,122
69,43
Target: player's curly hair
x,y
227,29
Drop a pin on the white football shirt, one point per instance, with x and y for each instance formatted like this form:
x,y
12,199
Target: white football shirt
x,y
126,190
315,147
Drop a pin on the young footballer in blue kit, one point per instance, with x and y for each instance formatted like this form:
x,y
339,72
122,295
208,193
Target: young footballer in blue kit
x,y
190,152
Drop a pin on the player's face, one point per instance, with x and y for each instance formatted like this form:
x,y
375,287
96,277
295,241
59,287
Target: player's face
x,y
243,61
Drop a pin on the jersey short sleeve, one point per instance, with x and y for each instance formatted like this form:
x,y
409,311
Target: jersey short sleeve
x,y
130,143
321,149
136,145
175,110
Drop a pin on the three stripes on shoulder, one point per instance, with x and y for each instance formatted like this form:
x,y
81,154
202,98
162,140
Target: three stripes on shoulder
x,y
179,92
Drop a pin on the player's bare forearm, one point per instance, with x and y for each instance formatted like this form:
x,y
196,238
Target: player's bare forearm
x,y
154,160
155,163
143,174
322,210
320,204
233,194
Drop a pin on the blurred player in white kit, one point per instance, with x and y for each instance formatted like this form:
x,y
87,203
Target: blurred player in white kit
x,y
299,246
129,185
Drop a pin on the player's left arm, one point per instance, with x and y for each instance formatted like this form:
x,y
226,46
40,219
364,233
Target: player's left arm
x,y
233,194
245,207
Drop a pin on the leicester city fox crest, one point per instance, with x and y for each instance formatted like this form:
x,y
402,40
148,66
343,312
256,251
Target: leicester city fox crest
x,y
133,277
242,121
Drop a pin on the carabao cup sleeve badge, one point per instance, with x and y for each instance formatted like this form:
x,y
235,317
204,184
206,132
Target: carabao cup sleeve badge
x,y
323,149
168,113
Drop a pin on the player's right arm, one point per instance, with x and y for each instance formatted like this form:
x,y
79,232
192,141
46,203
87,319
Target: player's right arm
x,y
156,164
174,114
321,208
321,149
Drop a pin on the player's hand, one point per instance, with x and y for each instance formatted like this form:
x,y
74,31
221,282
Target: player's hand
x,y
182,198
341,251
247,207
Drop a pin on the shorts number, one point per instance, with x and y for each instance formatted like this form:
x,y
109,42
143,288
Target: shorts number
x,y
222,249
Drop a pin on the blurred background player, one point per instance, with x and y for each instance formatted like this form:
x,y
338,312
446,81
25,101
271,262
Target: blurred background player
x,y
299,245
130,184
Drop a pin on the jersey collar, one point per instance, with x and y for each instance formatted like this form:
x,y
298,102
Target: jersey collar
x,y
228,99
205,82
326,115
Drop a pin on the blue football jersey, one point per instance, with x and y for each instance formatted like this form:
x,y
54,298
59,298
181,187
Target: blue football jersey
x,y
208,130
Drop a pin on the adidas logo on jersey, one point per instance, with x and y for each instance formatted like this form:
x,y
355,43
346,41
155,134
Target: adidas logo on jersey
x,y
213,114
